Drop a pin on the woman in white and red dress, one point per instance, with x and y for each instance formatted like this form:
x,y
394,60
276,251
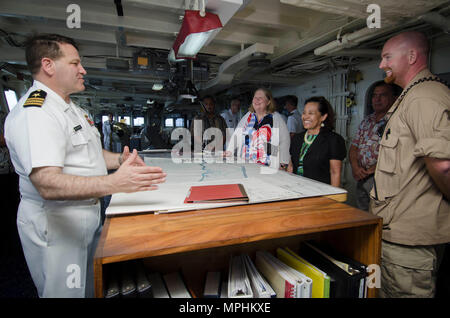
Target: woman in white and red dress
x,y
262,135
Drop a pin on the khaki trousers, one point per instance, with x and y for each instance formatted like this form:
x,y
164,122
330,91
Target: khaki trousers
x,y
409,271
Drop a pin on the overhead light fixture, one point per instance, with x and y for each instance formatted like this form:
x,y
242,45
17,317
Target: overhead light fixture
x,y
157,86
195,31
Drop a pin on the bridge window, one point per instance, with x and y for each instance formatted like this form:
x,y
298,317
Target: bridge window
x,y
126,120
168,122
138,121
179,122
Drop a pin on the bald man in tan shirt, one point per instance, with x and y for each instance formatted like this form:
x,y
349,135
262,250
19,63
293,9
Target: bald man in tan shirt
x,y
412,178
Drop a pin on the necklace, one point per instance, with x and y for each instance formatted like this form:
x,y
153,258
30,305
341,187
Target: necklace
x,y
305,146
309,138
380,131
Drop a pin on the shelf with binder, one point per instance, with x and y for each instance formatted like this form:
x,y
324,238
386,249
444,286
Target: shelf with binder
x,y
200,241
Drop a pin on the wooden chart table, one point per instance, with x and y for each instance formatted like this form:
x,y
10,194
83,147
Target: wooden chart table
x,y
202,240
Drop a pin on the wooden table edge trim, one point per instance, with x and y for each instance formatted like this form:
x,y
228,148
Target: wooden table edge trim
x,y
235,241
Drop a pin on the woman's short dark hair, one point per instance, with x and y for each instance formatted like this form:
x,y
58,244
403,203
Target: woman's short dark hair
x,y
44,45
324,107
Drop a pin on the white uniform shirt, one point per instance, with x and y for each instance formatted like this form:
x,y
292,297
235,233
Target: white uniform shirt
x,y
294,122
56,235
54,134
231,119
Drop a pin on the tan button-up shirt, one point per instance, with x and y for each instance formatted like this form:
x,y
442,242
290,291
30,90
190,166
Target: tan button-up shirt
x,y
414,211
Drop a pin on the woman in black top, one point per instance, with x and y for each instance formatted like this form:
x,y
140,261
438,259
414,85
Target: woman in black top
x,y
317,153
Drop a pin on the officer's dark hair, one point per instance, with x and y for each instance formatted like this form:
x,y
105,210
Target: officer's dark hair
x,y
210,97
324,107
44,45
292,100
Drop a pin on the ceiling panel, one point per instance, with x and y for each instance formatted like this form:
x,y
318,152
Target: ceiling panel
x,y
293,29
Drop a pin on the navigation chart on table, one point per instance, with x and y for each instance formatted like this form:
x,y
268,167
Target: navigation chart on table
x,y
262,184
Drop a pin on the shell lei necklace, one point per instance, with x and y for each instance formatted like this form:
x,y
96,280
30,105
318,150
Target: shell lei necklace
x,y
309,138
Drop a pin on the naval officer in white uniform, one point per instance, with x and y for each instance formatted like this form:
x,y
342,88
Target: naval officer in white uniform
x,y
56,150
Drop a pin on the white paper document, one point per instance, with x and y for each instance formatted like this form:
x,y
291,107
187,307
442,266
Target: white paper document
x,y
261,183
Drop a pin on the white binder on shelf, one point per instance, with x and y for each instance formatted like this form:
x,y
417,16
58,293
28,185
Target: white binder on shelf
x,y
260,287
286,281
238,281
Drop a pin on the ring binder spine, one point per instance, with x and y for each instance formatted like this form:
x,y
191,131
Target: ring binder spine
x,y
289,290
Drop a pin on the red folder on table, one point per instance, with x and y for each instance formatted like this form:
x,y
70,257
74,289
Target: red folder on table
x,y
216,193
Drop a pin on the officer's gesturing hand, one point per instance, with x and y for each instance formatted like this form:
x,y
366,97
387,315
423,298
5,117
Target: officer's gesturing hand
x,y
126,154
133,176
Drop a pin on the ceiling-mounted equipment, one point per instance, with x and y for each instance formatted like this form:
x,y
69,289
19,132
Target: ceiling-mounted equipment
x,y
348,40
189,91
117,64
258,59
119,7
195,32
142,62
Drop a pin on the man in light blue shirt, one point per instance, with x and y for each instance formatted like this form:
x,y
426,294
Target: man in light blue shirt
x,y
294,121
107,133
231,115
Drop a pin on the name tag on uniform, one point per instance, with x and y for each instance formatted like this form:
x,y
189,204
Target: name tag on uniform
x,y
76,128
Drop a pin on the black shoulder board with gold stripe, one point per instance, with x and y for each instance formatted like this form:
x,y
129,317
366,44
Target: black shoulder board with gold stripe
x,y
36,99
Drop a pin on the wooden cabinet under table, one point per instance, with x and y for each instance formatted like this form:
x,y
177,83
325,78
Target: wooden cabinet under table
x,y
199,241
